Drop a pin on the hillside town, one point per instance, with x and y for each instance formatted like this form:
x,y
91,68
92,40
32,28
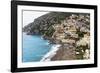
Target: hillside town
x,y
75,39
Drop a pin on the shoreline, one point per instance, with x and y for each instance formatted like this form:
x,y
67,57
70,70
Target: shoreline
x,y
51,53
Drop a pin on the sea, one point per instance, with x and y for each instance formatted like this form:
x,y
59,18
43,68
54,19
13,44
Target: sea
x,y
34,48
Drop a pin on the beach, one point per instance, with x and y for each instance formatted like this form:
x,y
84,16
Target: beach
x,y
51,53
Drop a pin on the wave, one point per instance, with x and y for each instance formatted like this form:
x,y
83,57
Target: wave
x,y
51,53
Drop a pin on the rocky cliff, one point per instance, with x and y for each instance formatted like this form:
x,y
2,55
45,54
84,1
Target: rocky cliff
x,y
43,24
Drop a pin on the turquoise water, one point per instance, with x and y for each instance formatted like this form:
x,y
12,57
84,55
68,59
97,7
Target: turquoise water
x,y
34,48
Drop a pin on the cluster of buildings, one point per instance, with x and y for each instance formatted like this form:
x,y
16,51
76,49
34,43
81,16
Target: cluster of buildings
x,y
68,32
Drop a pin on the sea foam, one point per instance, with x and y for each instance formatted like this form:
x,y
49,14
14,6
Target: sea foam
x,y
51,53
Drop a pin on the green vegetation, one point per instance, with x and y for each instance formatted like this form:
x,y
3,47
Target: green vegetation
x,y
49,32
80,34
81,50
